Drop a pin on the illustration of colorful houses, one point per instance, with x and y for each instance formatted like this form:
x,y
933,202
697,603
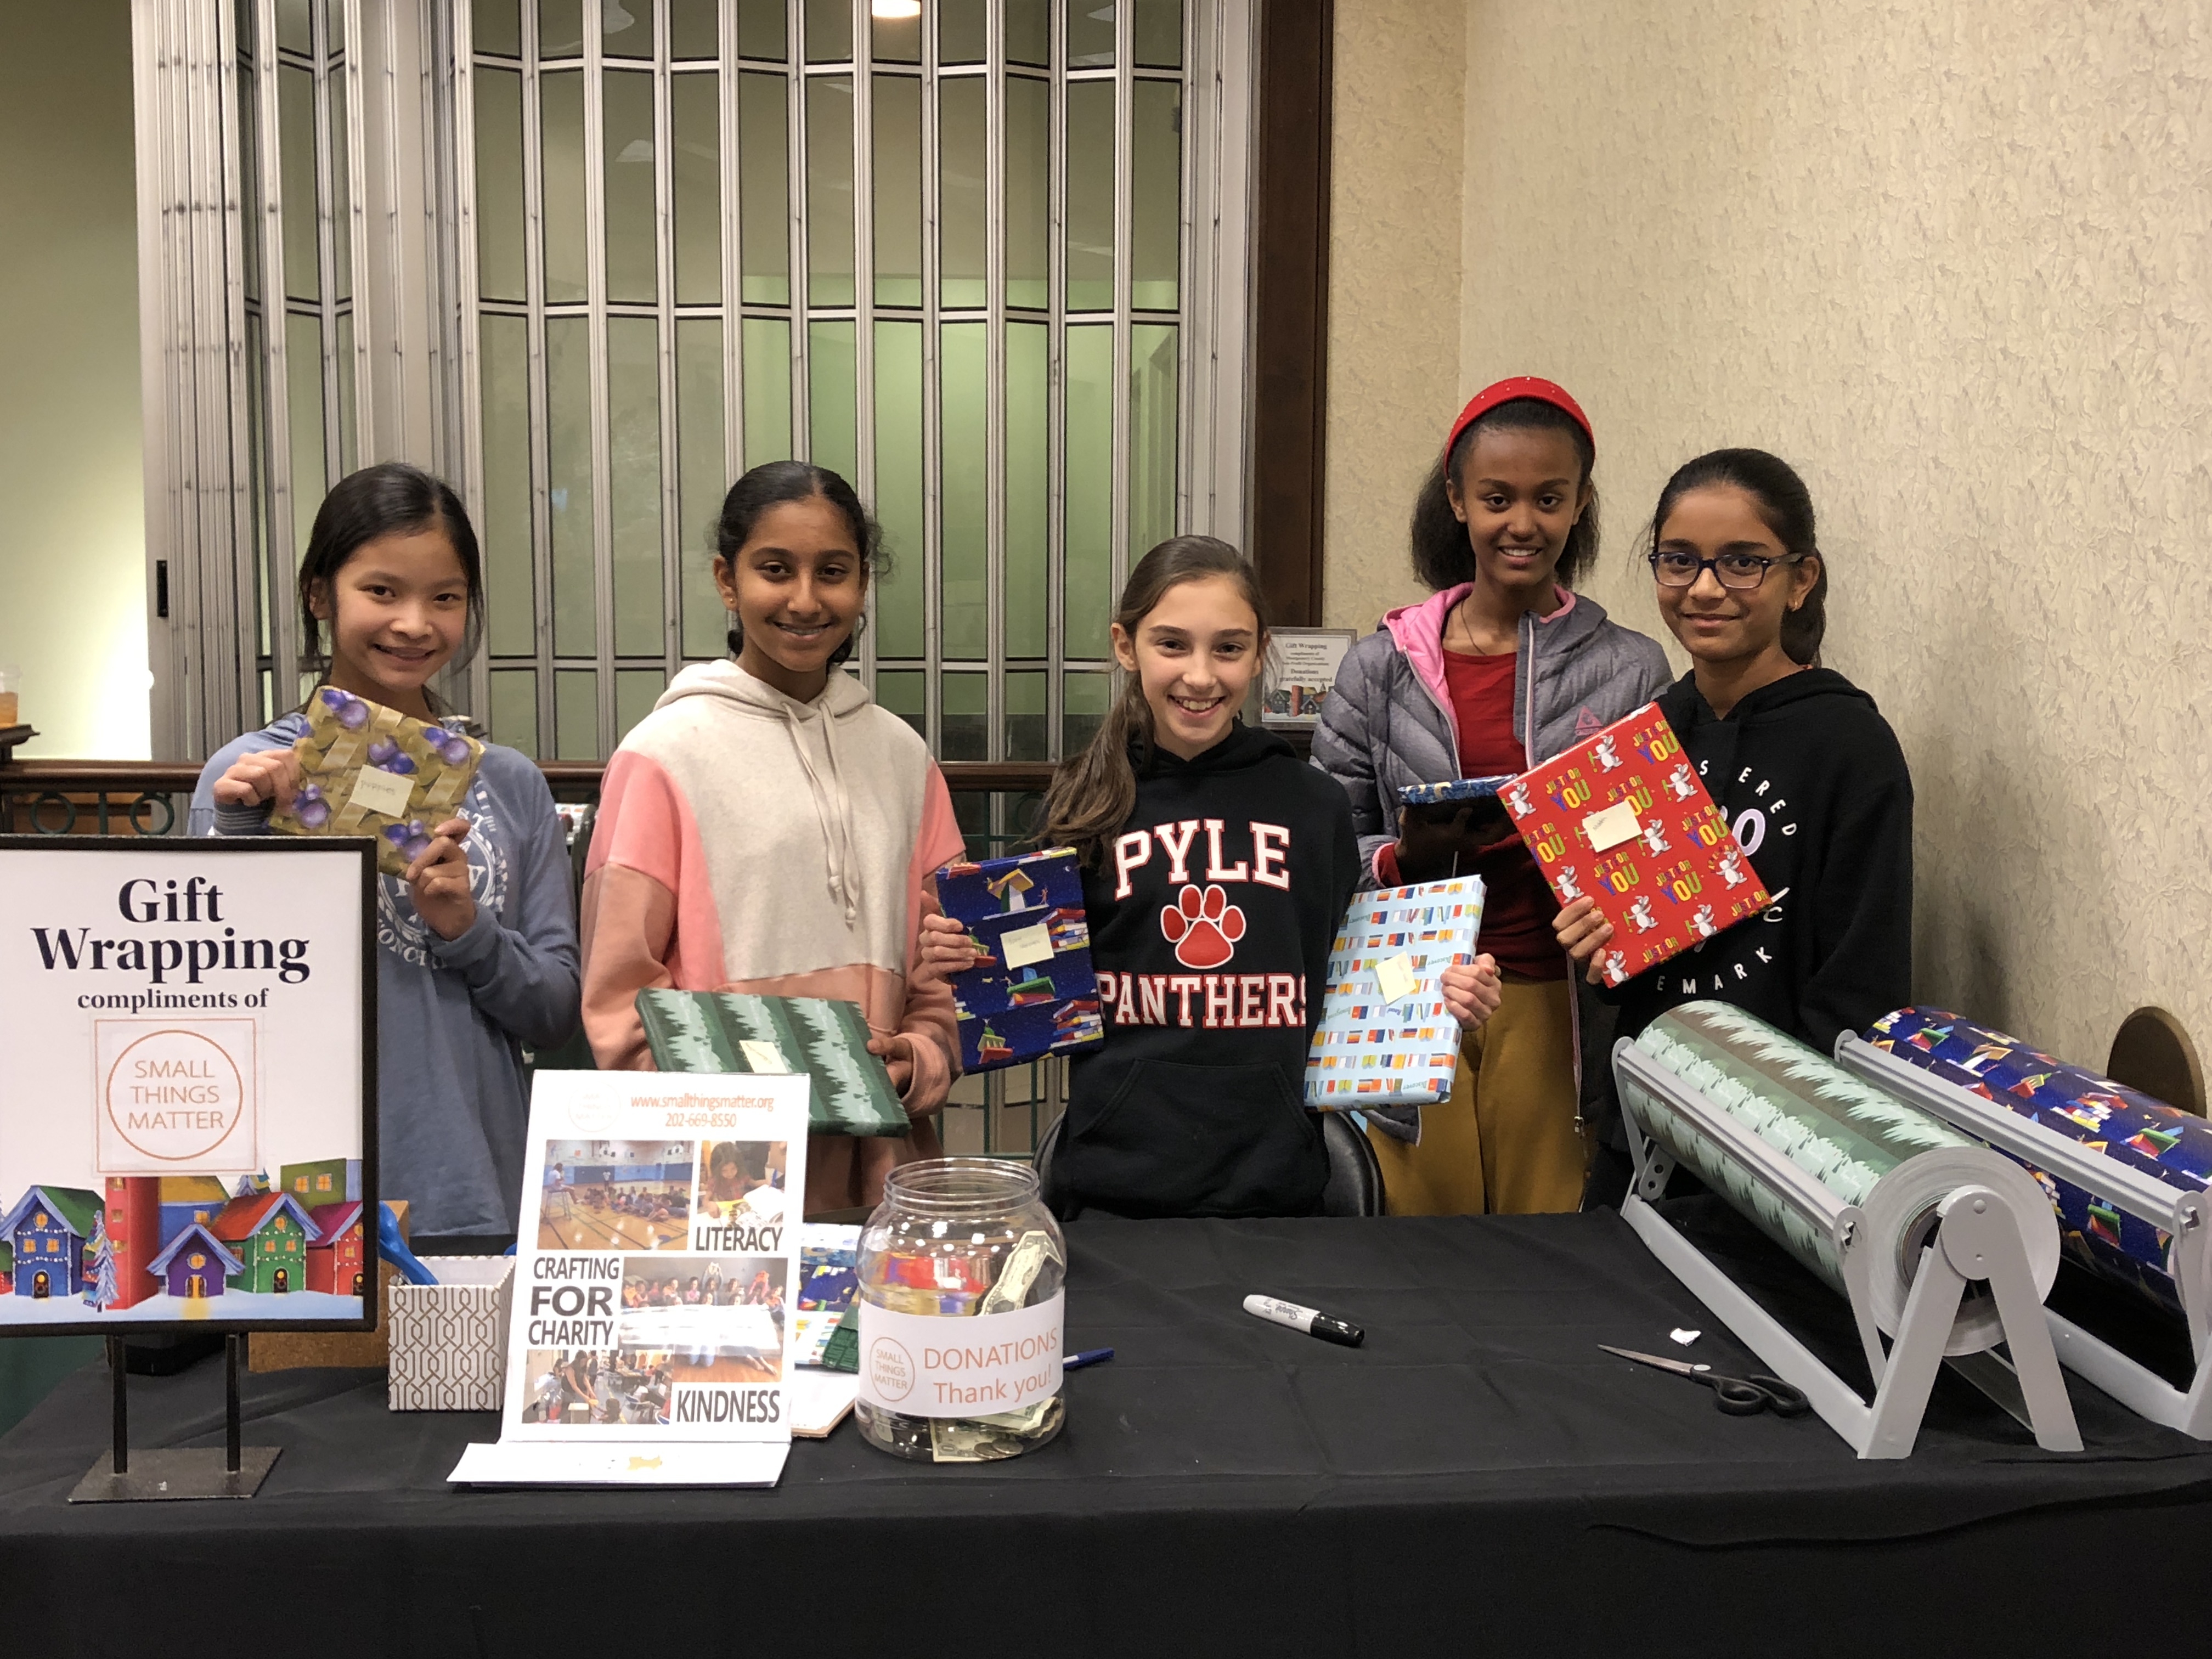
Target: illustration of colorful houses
x,y
335,1262
269,1231
134,1236
326,1181
6,1268
194,1264
48,1230
188,1199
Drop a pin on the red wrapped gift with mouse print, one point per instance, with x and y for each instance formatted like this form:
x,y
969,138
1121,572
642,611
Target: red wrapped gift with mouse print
x,y
1623,818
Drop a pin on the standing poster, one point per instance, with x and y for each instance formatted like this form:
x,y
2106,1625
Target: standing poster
x,y
658,1271
186,1120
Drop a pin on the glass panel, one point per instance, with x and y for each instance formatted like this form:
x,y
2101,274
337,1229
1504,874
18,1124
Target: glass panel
x,y
829,191
695,119
833,436
693,30
349,455
906,694
897,183
900,601
497,27
1090,34
1082,701
514,709
1153,382
341,196
626,119
765,193
1029,185
1028,509
966,728
964,506
1029,31
633,482
499,185
576,714
1156,195
257,362
829,31
296,139
249,179
560,28
568,481
699,482
303,393
760,28
626,28
960,31
896,35
963,167
1158,33
560,112
295,26
767,343
636,689
1090,196
511,624
1088,532
1025,717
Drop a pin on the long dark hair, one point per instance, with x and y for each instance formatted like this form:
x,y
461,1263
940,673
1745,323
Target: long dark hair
x,y
1784,506
1092,795
771,484
389,499
1442,555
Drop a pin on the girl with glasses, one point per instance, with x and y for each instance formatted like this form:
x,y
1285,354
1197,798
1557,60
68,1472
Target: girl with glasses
x,y
1798,760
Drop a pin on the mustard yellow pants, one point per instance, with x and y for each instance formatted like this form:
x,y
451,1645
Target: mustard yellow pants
x,y
1507,1142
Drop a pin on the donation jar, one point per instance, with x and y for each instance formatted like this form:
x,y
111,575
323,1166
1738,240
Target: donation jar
x,y
960,1314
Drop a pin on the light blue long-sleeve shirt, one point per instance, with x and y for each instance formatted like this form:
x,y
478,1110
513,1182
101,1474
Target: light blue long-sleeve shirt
x,y
452,1015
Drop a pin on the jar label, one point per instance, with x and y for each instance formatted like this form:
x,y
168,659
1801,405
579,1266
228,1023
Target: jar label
x,y
930,1365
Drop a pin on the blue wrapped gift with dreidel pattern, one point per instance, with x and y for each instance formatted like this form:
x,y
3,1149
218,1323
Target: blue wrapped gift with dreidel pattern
x,y
1033,994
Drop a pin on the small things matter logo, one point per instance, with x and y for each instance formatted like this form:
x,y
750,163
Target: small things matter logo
x,y
1204,927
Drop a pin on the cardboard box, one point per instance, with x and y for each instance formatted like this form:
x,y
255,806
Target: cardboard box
x,y
449,1339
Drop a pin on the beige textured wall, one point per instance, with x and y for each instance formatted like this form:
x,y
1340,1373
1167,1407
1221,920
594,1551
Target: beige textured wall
x,y
1393,328
1954,261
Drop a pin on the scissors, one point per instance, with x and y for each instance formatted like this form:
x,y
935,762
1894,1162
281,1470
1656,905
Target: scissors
x,y
1738,1396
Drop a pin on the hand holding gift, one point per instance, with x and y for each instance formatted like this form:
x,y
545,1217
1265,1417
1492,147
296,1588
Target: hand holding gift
x,y
272,775
945,948
439,880
1471,991
1582,932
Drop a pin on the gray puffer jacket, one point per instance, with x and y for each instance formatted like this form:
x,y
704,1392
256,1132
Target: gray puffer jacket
x,y
1387,722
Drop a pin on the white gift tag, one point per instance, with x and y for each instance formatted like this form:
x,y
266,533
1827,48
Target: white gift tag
x,y
1396,979
375,790
1614,825
1025,946
763,1056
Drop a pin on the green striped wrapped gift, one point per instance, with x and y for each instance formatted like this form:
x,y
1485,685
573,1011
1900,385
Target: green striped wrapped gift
x,y
733,1031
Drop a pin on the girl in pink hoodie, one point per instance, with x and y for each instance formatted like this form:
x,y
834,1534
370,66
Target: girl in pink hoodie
x,y
769,829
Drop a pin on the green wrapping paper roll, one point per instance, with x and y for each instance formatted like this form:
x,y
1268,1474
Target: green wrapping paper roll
x,y
1863,1146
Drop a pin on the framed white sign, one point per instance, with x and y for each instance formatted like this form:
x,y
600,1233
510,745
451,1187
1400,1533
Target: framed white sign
x,y
1301,666
187,1096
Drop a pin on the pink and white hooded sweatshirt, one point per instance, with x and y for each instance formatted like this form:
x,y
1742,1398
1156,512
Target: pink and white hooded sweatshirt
x,y
749,841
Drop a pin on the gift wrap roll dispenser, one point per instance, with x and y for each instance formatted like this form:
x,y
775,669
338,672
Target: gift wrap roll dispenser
x,y
1938,1243
2124,1174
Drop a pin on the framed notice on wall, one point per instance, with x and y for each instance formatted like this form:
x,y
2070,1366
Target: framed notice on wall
x,y
187,1085
1301,666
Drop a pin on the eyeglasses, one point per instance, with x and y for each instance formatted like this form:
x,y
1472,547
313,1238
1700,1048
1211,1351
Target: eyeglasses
x,y
1740,571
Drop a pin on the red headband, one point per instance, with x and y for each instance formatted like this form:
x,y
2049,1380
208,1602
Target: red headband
x,y
1519,385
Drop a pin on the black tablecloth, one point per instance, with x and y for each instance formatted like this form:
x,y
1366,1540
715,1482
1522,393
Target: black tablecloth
x,y
1479,1478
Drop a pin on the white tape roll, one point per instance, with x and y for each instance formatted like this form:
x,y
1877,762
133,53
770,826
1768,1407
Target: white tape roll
x,y
1901,1221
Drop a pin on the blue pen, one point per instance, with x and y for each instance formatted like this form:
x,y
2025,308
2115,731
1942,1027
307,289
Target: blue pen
x,y
1076,1362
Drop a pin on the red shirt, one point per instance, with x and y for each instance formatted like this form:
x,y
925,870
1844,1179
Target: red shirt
x,y
1518,903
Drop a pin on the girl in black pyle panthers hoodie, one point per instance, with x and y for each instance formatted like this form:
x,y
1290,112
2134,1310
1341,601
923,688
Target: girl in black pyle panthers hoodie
x,y
1217,867
1797,759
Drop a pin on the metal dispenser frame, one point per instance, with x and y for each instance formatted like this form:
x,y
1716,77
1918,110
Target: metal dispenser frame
x,y
2180,1215
1981,1240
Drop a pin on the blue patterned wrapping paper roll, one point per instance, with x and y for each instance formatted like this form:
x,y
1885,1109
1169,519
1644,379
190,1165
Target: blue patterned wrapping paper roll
x,y
2123,1124
1436,794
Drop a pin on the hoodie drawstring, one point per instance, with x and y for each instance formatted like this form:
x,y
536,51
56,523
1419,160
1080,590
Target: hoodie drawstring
x,y
832,805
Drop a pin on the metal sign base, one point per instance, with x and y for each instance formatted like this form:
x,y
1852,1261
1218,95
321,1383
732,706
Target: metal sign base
x,y
236,1471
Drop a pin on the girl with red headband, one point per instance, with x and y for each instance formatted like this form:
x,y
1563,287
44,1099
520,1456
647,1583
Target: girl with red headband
x,y
1501,668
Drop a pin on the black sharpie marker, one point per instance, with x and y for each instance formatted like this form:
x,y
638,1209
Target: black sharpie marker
x,y
1304,1319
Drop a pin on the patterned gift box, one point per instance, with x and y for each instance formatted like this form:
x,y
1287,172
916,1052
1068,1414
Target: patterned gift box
x,y
449,1339
1623,819
737,1031
1455,789
1370,1048
369,770
1033,993
2125,1125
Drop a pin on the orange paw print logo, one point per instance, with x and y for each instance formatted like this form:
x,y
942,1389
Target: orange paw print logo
x,y
1203,928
